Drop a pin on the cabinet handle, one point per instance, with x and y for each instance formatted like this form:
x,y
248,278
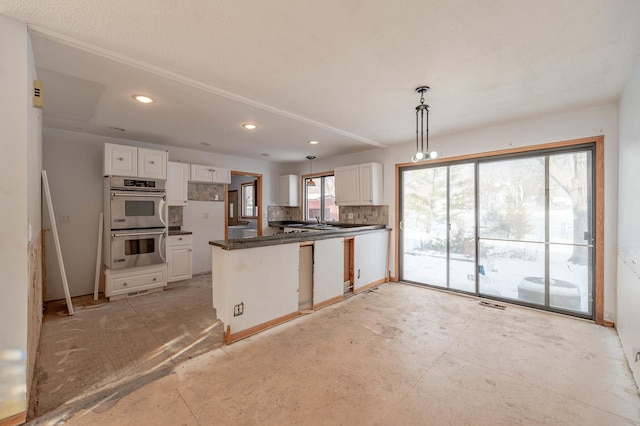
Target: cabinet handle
x,y
155,279
190,250
124,284
120,158
152,162
180,239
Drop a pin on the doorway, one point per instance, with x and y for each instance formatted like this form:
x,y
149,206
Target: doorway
x,y
244,206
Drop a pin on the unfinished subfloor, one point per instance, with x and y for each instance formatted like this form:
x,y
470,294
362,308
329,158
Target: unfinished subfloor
x,y
120,345
395,355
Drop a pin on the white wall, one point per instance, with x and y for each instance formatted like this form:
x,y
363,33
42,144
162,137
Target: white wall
x,y
19,200
628,320
74,165
600,120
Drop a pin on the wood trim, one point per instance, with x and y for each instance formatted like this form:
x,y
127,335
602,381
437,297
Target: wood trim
x,y
315,175
370,285
599,249
394,279
230,338
258,177
16,419
599,190
226,212
328,302
306,243
608,323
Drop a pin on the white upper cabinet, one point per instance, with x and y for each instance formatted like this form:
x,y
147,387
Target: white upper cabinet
x,y
177,188
124,160
210,174
347,183
289,190
120,160
152,163
359,185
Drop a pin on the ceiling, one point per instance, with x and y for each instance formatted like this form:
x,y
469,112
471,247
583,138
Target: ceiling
x,y
339,71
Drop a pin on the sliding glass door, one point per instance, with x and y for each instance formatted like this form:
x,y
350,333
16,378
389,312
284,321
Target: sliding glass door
x,y
517,228
438,231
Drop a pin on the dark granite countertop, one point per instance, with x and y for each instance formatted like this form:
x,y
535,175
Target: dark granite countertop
x,y
175,230
297,237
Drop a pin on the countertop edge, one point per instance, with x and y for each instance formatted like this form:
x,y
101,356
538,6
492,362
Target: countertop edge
x,y
293,238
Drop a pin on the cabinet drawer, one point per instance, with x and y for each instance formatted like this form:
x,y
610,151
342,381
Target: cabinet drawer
x,y
132,283
179,240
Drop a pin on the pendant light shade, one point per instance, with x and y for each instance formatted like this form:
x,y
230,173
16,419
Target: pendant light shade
x,y
422,129
310,182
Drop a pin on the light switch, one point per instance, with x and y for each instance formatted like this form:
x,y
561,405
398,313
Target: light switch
x,y
205,215
65,218
350,215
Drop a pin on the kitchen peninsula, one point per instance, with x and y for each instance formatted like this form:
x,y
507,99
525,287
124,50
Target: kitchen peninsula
x,y
264,281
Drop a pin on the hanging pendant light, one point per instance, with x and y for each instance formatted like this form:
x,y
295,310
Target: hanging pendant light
x,y
310,182
422,129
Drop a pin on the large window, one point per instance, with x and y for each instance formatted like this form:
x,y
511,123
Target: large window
x,y
514,227
320,199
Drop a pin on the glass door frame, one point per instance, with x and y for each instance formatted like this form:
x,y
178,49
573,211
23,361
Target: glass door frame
x,y
595,146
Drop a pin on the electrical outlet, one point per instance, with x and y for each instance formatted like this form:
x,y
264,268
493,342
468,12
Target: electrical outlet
x,y
350,215
205,216
65,218
238,309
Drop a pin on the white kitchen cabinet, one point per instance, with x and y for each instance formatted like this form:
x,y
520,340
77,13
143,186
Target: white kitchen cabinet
x,y
179,257
177,183
129,161
120,160
152,163
289,190
210,174
121,283
359,185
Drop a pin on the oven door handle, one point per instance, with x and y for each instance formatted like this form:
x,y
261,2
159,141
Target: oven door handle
x,y
162,248
135,234
137,194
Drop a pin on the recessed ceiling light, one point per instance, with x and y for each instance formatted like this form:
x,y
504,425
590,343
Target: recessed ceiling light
x,y
205,144
118,129
249,126
314,142
143,99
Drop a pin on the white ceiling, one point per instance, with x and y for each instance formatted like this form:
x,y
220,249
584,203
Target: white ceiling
x,y
340,71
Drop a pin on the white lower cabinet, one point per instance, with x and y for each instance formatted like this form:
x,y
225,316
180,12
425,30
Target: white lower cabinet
x,y
180,257
128,282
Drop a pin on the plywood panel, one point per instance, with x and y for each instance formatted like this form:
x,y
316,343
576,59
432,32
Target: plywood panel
x,y
328,270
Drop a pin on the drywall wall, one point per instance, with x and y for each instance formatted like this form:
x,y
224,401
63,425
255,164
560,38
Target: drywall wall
x,y
19,175
74,164
628,320
34,210
579,123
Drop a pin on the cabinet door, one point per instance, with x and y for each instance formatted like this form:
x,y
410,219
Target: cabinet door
x,y
177,178
201,173
120,160
347,185
221,175
289,190
179,263
152,163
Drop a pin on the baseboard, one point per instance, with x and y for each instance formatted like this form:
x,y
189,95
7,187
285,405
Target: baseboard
x,y
16,419
369,286
230,338
328,302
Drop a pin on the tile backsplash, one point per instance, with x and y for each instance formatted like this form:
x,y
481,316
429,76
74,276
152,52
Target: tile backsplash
x,y
283,213
206,192
175,215
369,215
366,215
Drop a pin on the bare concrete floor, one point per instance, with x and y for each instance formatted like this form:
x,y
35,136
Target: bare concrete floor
x,y
396,355
107,345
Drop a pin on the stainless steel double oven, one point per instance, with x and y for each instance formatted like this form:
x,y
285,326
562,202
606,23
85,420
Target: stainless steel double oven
x,y
135,222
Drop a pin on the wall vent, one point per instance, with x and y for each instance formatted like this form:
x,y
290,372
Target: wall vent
x,y
38,100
